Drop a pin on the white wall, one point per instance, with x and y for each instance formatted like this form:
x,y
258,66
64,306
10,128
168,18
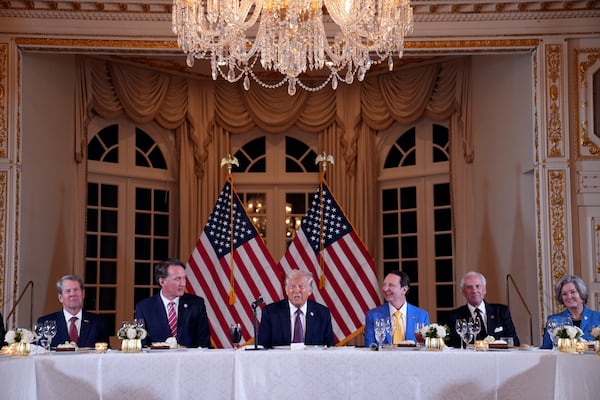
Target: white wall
x,y
49,177
503,234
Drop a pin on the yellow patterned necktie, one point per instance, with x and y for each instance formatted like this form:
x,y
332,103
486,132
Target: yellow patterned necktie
x,y
399,334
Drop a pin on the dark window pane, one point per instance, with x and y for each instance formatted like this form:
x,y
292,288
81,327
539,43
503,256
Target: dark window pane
x,y
161,225
295,148
408,198
259,165
242,160
109,320
443,245
161,200
412,269
91,246
443,219
92,220
90,272
109,196
412,296
92,195
107,300
308,162
292,165
143,199
110,135
445,296
108,272
390,248
108,246
112,156
90,298
256,147
161,249
393,158
142,275
409,246
390,266
443,316
408,222
389,224
444,270
407,141
439,155
109,221
95,149
141,294
410,158
297,201
441,194
157,159
389,200
140,159
142,249
143,223
143,141
440,143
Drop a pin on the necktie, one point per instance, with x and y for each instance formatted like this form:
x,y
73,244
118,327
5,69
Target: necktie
x,y
73,335
399,334
172,318
483,333
298,330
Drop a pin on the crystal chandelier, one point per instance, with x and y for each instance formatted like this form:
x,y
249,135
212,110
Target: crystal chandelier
x,y
289,37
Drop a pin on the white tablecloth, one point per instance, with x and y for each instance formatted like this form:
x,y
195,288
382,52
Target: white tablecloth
x,y
338,373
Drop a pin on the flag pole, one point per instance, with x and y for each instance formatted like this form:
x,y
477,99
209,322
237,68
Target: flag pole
x,y
322,159
229,160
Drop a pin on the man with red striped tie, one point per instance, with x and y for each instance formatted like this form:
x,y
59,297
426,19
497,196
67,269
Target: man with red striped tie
x,y
172,312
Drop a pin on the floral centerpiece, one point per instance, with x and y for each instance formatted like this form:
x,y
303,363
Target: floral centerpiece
x,y
19,341
435,335
568,336
596,332
132,335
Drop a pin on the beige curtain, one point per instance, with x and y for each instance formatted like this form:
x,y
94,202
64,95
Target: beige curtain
x,y
206,113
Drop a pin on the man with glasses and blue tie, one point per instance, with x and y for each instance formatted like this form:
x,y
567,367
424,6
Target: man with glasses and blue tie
x,y
296,319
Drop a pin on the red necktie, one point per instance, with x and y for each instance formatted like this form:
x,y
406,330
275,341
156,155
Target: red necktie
x,y
73,335
172,319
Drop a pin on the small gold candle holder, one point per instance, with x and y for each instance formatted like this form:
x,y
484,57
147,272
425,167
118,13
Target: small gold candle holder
x,y
481,345
580,347
101,347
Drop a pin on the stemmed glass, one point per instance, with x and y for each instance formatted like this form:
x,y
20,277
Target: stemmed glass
x,y
140,323
380,331
38,329
49,332
235,334
461,329
418,335
551,325
467,335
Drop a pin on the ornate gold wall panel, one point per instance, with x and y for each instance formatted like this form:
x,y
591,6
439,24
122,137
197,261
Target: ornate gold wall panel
x,y
3,100
588,63
3,232
554,123
557,194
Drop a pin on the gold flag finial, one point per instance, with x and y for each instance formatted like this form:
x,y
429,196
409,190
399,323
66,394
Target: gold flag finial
x,y
324,159
229,160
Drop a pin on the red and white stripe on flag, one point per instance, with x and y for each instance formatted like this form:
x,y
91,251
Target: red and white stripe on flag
x,y
351,287
209,268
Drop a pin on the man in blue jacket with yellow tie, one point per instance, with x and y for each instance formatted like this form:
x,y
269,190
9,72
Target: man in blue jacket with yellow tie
x,y
395,287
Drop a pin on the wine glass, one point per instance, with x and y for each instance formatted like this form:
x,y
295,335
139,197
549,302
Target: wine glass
x,y
551,325
235,333
418,335
467,336
380,331
49,332
461,327
140,323
38,329
476,328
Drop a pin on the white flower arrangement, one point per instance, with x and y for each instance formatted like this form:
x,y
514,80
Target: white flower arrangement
x,y
434,331
131,331
596,332
19,335
172,342
567,332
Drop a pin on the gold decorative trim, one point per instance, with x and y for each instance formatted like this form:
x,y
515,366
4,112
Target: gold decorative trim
x,y
3,191
554,121
593,56
3,100
558,225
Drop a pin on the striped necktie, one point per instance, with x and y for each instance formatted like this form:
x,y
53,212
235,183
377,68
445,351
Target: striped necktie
x,y
172,319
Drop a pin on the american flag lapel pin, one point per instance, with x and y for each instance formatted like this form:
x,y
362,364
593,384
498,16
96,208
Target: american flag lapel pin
x,y
185,305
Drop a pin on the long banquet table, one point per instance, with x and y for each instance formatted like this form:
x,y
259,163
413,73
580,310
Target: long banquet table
x,y
338,373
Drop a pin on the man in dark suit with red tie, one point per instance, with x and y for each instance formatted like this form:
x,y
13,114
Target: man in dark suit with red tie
x,y
172,312
73,324
296,319
496,318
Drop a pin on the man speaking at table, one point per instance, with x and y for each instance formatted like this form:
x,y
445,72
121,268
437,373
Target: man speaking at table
x,y
173,313
496,318
296,319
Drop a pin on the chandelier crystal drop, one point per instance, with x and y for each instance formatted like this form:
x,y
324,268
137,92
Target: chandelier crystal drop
x,y
290,37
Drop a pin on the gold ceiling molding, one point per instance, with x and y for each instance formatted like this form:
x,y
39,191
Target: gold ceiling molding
x,y
424,10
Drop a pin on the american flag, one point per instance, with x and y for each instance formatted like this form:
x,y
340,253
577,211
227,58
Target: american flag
x,y
328,246
209,273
